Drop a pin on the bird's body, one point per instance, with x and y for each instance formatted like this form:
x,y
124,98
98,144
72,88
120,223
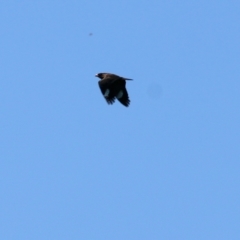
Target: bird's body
x,y
112,87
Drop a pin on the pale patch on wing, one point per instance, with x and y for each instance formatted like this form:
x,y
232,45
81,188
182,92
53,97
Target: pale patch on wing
x,y
106,93
120,94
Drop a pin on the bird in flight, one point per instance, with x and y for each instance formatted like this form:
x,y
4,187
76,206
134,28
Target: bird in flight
x,y
113,86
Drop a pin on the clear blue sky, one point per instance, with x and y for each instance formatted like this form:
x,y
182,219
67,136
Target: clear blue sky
x,y
73,167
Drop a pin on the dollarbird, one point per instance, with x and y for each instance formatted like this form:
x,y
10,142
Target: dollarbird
x,y
113,87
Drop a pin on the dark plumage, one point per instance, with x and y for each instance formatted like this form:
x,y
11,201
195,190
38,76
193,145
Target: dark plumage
x,y
112,87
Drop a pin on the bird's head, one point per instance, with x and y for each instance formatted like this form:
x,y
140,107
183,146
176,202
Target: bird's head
x,y
100,75
110,75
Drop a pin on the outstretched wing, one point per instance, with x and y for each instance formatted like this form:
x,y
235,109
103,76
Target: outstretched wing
x,y
105,87
123,97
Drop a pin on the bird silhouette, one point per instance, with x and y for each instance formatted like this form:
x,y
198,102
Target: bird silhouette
x,y
113,87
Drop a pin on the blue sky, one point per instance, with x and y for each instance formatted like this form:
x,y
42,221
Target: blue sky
x,y
73,167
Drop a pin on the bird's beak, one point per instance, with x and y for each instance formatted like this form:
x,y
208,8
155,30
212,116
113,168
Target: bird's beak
x,y
96,75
